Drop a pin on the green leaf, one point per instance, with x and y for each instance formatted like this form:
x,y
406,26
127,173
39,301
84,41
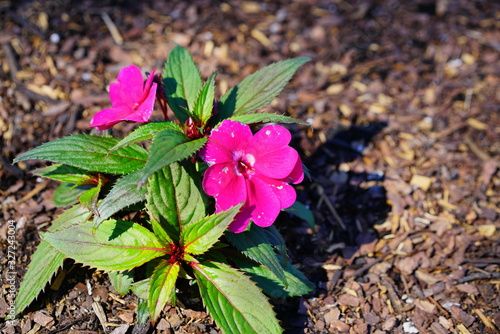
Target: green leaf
x,y
45,263
169,146
46,259
199,236
255,245
182,82
145,132
89,153
73,216
122,281
234,301
115,246
141,288
275,238
142,312
265,118
204,104
259,88
67,194
123,194
161,233
162,288
303,212
65,173
175,197
89,198
298,284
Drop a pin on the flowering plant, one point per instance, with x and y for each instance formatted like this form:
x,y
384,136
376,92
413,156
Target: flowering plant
x,y
183,207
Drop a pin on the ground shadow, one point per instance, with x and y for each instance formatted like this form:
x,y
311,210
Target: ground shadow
x,y
346,205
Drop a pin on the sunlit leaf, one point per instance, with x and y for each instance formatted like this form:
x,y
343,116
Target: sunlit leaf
x,y
233,300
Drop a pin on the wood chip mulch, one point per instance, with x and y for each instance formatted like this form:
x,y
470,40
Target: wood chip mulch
x,y
403,150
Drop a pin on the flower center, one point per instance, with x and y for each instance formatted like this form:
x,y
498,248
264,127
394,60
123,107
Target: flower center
x,y
245,165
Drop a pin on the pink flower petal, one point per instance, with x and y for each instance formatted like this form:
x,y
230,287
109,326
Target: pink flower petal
x,y
149,80
270,138
227,139
119,97
130,78
264,203
106,118
145,110
221,181
241,220
285,193
297,174
276,164
273,157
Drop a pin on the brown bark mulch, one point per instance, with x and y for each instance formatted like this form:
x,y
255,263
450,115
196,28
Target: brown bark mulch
x,y
403,149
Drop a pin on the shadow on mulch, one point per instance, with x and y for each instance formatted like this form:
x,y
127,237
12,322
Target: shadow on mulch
x,y
350,202
346,205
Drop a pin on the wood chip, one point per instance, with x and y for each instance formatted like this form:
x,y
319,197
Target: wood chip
x,y
486,321
43,319
422,182
113,30
487,230
476,124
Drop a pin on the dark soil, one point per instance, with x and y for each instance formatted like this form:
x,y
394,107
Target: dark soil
x,y
403,149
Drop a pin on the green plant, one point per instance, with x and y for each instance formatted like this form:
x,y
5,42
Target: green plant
x,y
180,209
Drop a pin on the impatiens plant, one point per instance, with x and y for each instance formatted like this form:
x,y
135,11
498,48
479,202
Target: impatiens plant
x,y
191,199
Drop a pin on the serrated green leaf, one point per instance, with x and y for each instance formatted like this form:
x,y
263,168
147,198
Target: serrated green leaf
x,y
44,264
64,173
46,259
115,246
234,301
122,281
67,194
169,146
303,212
298,284
73,216
182,82
198,237
175,197
204,103
145,132
90,153
259,88
123,194
255,118
255,245
141,288
162,288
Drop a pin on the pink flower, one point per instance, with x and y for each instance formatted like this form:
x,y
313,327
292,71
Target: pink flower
x,y
131,98
255,169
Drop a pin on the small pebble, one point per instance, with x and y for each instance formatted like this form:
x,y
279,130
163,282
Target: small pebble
x,y
55,38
